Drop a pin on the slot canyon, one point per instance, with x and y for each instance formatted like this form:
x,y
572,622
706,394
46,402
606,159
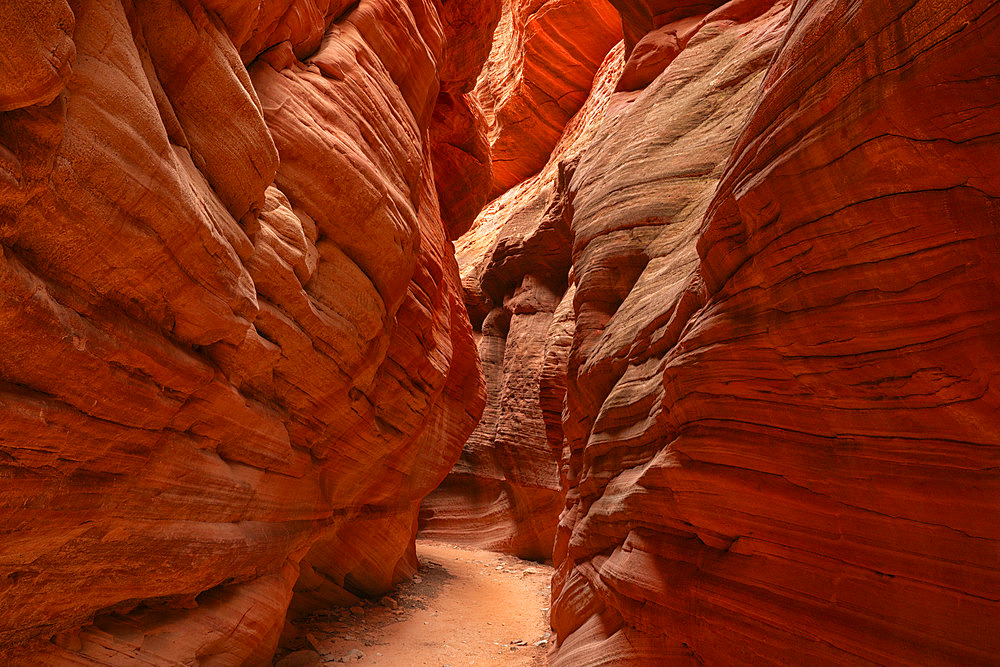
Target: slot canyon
x,y
690,302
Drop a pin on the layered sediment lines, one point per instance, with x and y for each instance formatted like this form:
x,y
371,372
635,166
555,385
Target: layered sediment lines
x,y
769,373
538,75
734,298
505,491
236,351
781,411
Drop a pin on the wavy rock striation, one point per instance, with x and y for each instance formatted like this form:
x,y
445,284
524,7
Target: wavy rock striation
x,y
505,492
734,299
768,374
538,75
781,415
236,352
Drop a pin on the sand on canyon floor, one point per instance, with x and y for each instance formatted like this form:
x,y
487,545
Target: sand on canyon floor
x,y
464,607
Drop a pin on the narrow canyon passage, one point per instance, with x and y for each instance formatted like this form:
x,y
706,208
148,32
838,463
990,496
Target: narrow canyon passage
x,y
317,315
464,607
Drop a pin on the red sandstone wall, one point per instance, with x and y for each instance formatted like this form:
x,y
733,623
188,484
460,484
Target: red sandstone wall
x,y
781,410
769,379
505,491
538,75
739,314
235,349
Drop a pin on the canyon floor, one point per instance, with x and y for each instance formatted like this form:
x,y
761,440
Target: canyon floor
x,y
465,607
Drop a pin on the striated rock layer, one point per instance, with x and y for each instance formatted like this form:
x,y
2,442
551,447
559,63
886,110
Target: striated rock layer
x,y
236,353
541,67
505,492
736,308
781,410
750,303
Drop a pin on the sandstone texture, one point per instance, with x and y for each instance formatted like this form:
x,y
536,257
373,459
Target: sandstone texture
x,y
505,493
750,306
781,410
731,317
538,75
236,353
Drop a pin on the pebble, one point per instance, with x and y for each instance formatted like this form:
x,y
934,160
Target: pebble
x,y
389,602
358,611
354,655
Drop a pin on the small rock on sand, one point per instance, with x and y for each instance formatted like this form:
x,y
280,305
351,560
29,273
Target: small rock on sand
x,y
354,655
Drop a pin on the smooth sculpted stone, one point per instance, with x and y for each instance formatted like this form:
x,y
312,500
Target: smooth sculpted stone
x,y
505,491
463,168
236,353
640,18
781,413
539,73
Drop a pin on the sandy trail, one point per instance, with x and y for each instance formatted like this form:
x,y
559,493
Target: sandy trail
x,y
465,607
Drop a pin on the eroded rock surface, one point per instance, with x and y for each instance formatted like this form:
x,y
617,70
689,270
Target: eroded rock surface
x,y
769,372
236,351
781,417
538,75
505,492
734,298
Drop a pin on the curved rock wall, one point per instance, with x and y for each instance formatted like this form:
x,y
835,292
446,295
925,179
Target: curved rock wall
x,y
236,354
505,492
768,375
737,311
539,72
781,414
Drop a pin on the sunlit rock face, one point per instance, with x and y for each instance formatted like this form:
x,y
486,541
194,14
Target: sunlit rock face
x,y
505,492
734,299
763,259
236,353
538,75
781,409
